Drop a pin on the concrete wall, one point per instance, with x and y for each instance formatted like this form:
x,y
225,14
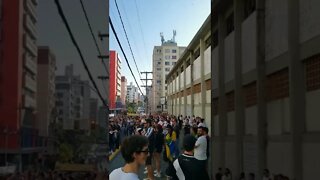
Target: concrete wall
x,y
278,118
196,69
276,28
251,120
231,123
309,19
188,75
207,61
312,111
229,57
311,163
215,75
248,43
279,157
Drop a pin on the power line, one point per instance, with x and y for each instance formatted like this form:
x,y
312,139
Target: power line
x,y
144,42
127,38
92,34
65,22
125,57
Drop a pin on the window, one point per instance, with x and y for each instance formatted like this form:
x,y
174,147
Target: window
x,y
174,51
158,69
167,57
167,69
159,63
159,81
249,7
174,57
174,63
167,63
167,51
230,24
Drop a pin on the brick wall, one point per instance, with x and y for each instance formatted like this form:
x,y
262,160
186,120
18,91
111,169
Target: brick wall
x,y
312,70
277,85
208,84
188,91
230,101
196,88
250,93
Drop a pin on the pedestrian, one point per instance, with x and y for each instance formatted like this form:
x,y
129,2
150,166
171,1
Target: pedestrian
x,y
251,176
227,175
134,150
186,166
159,141
170,147
151,138
266,175
219,174
242,176
200,150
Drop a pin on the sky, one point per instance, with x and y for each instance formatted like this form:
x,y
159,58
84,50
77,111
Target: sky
x,y
145,19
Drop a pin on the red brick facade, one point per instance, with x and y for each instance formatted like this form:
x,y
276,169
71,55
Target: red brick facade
x,y
277,85
250,93
312,69
230,101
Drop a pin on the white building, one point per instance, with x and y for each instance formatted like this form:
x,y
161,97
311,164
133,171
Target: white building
x,y
73,100
132,93
164,58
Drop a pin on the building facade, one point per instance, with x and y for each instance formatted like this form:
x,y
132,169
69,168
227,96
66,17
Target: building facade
x,y
266,86
123,90
189,81
132,94
73,100
163,59
114,79
46,90
18,78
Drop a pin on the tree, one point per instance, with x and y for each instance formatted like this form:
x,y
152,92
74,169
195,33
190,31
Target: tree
x,y
65,153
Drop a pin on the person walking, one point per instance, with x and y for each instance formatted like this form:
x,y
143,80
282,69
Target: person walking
x,y
134,150
159,141
200,150
186,166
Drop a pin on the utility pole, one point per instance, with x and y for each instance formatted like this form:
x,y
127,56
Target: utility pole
x,y
146,86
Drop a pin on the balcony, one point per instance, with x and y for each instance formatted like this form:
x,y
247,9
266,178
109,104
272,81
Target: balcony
x,y
29,101
30,83
31,9
30,45
30,63
30,26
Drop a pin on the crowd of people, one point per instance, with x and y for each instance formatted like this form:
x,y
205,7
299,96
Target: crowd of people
x,y
160,138
150,139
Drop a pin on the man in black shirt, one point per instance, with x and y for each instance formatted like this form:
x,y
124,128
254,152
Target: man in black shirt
x,y
186,166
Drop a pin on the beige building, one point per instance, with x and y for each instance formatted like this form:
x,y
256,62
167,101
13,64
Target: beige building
x,y
123,90
266,86
189,81
164,58
46,89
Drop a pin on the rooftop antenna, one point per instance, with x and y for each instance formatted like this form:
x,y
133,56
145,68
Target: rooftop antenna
x,y
174,35
162,38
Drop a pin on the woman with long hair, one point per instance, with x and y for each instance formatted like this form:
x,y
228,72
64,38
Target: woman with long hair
x,y
159,141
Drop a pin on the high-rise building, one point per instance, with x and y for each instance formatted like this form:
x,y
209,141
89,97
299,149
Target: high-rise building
x,y
123,90
73,100
132,93
18,74
164,58
46,89
114,79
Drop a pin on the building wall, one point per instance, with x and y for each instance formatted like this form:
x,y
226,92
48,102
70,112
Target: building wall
x,y
189,81
264,102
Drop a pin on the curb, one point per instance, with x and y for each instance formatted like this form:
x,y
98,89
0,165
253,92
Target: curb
x,y
113,155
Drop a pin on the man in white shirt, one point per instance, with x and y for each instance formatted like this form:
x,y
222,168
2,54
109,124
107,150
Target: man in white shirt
x,y
200,150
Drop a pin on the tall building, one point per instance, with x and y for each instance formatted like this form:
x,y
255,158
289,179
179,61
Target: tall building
x,y
93,110
123,90
164,58
132,93
46,89
18,77
73,100
114,79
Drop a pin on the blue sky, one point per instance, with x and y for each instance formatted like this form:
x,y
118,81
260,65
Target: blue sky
x,y
143,30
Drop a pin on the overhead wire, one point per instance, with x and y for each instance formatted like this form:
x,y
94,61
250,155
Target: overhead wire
x,y
115,33
65,22
92,34
127,39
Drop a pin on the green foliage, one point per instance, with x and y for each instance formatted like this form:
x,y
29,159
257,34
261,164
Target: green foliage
x,y
65,153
